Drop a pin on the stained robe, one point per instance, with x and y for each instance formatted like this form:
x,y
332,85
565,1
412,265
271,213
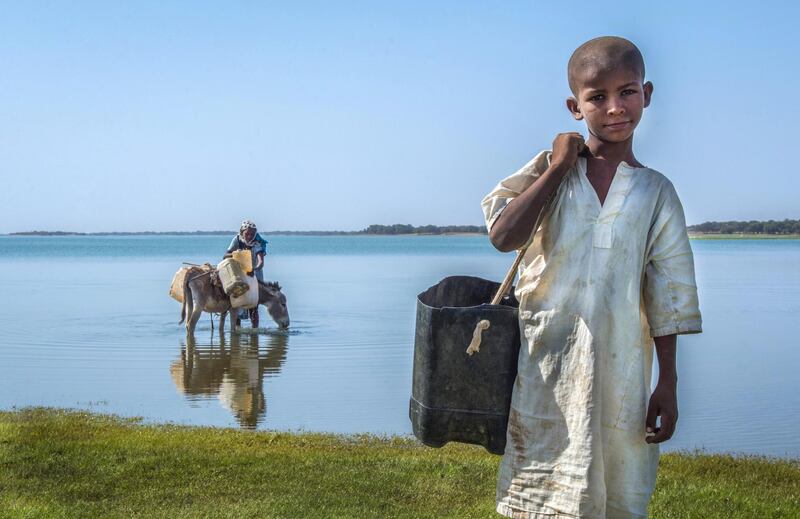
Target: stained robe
x,y
595,285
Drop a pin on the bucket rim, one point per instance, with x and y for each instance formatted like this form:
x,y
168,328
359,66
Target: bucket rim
x,y
483,306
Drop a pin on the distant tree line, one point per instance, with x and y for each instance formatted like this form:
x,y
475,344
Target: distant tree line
x,y
400,228
132,233
732,227
750,227
372,229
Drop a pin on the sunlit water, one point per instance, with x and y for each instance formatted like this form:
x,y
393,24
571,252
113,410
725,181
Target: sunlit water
x,y
86,322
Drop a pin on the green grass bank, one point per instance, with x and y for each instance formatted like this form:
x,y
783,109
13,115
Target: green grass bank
x,y
64,464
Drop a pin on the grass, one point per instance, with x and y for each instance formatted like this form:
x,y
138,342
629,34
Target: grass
x,y
56,463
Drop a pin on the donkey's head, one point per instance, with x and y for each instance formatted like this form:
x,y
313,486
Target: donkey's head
x,y
270,295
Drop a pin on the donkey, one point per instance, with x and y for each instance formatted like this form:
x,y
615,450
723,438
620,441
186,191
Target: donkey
x,y
202,292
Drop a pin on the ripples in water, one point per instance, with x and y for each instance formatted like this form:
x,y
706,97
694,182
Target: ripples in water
x,y
98,330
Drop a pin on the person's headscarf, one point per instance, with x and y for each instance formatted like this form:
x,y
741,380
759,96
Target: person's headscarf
x,y
248,224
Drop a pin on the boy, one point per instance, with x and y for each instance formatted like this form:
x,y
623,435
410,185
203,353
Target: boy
x,y
608,272
248,238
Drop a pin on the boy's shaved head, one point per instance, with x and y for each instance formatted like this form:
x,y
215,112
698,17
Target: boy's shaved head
x,y
603,54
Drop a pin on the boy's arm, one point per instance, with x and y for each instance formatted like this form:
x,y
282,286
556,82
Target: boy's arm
x,y
514,226
664,400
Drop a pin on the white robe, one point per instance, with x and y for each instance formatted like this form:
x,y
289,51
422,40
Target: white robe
x,y
597,283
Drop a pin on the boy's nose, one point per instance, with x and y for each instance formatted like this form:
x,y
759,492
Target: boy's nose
x,y
616,109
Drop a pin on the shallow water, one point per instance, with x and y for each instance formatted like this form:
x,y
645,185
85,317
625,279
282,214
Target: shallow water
x,y
86,322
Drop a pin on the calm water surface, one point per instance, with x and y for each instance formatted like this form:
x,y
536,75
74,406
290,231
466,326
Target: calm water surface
x,y
86,322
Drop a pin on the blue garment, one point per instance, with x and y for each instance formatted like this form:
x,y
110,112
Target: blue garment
x,y
259,246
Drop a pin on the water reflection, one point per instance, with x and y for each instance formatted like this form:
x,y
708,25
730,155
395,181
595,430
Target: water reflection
x,y
234,372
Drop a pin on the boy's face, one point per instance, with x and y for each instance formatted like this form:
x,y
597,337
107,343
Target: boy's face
x,y
611,102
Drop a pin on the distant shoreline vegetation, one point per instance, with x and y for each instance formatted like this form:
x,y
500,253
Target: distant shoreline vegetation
x,y
396,229
770,227
730,229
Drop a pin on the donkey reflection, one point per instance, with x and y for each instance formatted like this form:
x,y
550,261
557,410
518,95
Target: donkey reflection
x,y
235,374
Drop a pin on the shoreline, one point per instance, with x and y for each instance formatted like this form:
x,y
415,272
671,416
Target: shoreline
x,y
742,236
692,236
276,233
69,463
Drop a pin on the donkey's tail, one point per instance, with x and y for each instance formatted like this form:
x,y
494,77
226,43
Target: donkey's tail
x,y
188,301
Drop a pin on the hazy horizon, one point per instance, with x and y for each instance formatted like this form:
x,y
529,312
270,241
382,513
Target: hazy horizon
x,y
267,231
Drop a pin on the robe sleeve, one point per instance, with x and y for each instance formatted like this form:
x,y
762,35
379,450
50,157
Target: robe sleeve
x,y
670,291
513,186
261,245
234,244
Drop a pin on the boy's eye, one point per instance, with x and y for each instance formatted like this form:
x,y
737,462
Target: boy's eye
x,y
598,97
628,91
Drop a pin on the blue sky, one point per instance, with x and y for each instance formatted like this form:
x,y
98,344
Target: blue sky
x,y
336,115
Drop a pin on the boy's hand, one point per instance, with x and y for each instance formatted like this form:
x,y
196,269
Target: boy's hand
x,y
566,148
663,403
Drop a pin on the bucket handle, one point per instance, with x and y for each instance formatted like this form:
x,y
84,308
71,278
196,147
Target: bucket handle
x,y
506,284
483,324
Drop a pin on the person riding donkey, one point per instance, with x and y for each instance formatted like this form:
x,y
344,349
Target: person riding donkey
x,y
248,238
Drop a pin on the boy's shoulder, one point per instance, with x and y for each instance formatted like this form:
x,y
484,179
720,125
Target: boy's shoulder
x,y
656,175
537,165
541,161
653,180
657,181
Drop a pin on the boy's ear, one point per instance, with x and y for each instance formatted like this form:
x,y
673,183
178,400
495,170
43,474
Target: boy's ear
x,y
574,108
647,88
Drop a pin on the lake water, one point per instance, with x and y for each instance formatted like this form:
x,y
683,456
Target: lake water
x,y
86,322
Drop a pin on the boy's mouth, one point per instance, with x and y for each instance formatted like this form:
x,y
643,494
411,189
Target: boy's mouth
x,y
618,126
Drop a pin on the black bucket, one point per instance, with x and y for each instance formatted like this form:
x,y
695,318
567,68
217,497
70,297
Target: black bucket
x,y
455,396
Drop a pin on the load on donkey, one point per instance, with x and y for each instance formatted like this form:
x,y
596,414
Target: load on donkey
x,y
222,290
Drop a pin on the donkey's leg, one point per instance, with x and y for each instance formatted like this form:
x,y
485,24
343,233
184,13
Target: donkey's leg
x,y
197,312
222,316
254,317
